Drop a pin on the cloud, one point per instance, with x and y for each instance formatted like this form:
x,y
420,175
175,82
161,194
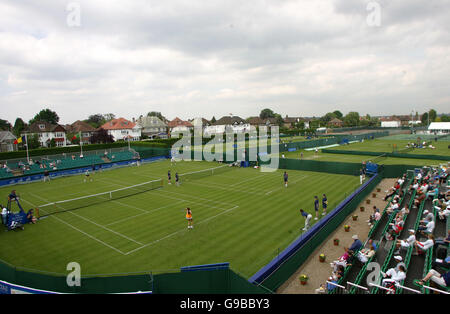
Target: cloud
x,y
204,58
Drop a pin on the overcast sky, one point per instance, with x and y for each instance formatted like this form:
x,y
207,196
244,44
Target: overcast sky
x,y
190,58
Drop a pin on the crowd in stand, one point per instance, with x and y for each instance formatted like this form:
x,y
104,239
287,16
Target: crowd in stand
x,y
428,184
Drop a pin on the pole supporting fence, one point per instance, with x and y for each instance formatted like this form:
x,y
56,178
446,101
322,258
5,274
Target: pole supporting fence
x,y
437,290
357,286
381,287
409,289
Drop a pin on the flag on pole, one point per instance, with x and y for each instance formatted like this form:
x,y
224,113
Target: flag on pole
x,y
20,140
76,136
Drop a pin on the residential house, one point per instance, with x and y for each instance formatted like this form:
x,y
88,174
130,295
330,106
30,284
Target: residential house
x,y
233,124
390,122
290,122
178,125
258,122
153,127
80,127
199,123
7,141
47,132
123,129
335,122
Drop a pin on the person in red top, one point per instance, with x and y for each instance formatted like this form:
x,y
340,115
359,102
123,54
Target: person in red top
x,y
394,189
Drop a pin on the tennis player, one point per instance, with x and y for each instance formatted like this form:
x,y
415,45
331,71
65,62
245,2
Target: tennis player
x,y
169,177
189,218
316,207
87,176
324,204
285,177
307,218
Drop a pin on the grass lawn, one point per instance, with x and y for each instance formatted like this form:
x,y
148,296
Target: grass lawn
x,y
310,155
387,146
241,216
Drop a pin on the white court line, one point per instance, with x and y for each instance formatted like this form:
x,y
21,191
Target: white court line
x,y
197,197
299,179
146,212
81,231
179,231
94,223
218,186
253,178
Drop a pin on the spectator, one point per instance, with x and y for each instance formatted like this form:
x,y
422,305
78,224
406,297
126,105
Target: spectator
x,y
374,217
419,198
356,245
427,226
442,280
366,253
392,191
413,186
421,247
344,260
443,214
433,193
445,264
406,243
396,227
394,276
428,216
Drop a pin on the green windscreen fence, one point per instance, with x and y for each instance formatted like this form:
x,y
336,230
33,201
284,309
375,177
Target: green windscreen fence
x,y
221,281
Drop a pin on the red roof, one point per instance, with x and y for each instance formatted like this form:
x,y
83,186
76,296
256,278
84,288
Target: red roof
x,y
178,122
118,124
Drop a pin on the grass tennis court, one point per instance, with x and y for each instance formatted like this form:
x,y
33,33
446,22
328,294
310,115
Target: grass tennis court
x,y
310,155
388,146
241,216
383,145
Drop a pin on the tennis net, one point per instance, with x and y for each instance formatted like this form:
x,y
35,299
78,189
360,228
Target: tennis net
x,y
89,200
204,173
377,159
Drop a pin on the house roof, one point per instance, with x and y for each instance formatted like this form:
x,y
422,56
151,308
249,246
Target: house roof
x,y
229,120
80,126
203,121
293,119
259,121
150,121
390,118
118,124
46,127
6,135
335,120
178,122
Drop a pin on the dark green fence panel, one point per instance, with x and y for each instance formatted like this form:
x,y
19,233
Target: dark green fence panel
x,y
222,281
